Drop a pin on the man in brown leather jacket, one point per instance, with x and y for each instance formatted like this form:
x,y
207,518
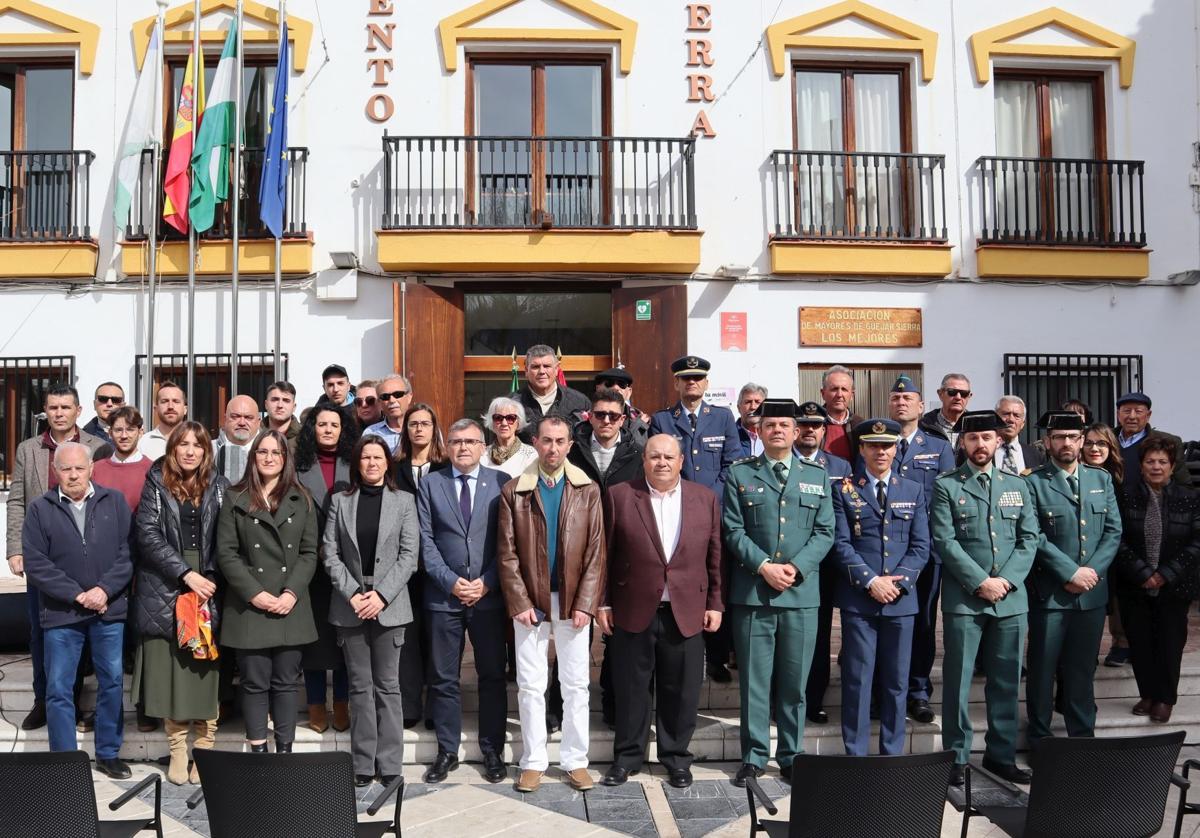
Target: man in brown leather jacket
x,y
552,578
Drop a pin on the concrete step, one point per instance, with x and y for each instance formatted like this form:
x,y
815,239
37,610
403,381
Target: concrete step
x,y
717,736
16,687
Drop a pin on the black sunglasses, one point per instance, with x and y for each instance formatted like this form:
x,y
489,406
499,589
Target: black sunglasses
x,y
952,392
111,399
608,415
398,394
369,401
611,382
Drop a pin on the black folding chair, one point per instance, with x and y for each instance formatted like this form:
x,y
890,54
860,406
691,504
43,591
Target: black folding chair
x,y
287,795
1115,787
49,795
848,797
1185,808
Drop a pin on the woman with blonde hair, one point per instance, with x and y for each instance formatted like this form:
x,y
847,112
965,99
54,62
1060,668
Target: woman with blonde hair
x,y
176,602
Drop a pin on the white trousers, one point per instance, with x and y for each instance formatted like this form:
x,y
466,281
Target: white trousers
x,y
533,665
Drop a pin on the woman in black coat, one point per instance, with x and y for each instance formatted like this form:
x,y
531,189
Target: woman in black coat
x,y
1157,569
323,449
176,533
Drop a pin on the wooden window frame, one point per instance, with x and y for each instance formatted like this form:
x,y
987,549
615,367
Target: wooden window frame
x,y
179,62
15,373
848,70
18,120
537,63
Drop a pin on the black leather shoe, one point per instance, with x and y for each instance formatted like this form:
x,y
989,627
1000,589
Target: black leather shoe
x,y
744,773
409,724
553,723
785,773
818,716
717,672
36,717
260,748
85,722
680,778
361,781
1010,772
494,769
920,711
958,774
114,768
616,776
442,765
283,747
387,779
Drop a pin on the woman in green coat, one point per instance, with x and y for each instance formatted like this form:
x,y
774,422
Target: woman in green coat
x,y
267,552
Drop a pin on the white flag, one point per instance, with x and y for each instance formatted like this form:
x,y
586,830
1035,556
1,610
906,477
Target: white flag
x,y
142,130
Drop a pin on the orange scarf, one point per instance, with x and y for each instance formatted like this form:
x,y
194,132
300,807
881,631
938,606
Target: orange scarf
x,y
193,626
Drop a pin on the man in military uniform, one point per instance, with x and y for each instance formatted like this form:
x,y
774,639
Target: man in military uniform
x,y
1076,506
882,544
920,457
778,524
985,530
709,439
811,423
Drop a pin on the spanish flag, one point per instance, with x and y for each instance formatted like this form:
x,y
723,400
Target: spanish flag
x,y
177,183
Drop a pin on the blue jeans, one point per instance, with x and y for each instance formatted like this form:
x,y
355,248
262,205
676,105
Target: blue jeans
x,y
37,646
314,685
64,645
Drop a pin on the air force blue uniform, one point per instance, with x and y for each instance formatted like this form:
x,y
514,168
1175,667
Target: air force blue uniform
x,y
877,638
710,449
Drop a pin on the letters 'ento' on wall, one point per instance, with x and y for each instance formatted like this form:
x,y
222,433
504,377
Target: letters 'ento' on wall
x,y
380,35
699,60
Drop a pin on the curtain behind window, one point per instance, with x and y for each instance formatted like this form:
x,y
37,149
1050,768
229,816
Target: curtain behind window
x,y
820,178
878,201
1072,135
1016,188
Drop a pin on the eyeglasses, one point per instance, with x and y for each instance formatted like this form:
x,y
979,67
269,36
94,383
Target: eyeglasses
x,y
268,453
612,382
953,391
608,415
416,424
1095,443
369,401
460,443
505,418
1064,437
111,399
397,395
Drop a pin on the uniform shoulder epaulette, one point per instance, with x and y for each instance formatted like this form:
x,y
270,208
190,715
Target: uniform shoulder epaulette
x,y
815,464
743,460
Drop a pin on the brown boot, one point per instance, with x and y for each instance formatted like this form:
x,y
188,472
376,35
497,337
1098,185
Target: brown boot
x,y
341,715
206,737
318,718
177,733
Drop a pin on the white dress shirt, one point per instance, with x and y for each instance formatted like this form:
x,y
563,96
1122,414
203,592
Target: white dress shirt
x,y
472,481
668,517
1017,453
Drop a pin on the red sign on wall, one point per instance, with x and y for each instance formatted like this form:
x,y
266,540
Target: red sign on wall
x,y
733,331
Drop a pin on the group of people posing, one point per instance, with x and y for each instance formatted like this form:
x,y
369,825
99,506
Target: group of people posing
x,y
363,541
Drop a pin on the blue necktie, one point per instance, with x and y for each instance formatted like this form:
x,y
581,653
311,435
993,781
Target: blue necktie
x,y
464,500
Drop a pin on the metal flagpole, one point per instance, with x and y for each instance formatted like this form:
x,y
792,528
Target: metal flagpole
x,y
156,157
197,83
237,190
278,239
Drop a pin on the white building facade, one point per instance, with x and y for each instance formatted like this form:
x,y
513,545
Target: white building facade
x,y
1002,190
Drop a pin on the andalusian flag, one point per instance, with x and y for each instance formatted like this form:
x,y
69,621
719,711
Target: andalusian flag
x,y
516,378
141,130
178,181
214,141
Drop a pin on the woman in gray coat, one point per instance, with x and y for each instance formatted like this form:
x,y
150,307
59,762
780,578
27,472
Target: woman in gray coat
x,y
370,551
267,552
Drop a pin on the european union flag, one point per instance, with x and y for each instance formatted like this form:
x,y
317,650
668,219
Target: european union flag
x,y
272,191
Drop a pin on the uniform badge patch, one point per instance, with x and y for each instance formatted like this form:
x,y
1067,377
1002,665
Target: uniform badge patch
x,y
1011,499
811,489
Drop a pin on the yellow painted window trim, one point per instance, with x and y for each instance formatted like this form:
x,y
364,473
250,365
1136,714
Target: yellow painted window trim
x,y
460,27
78,32
300,31
997,40
793,34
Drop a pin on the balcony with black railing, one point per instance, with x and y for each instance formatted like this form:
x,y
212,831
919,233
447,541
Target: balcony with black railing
x,y
561,188
1058,207
45,201
829,208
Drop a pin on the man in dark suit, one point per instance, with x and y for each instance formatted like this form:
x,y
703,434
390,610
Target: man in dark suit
x,y
1133,427
457,508
882,544
664,587
811,427
1012,455
709,438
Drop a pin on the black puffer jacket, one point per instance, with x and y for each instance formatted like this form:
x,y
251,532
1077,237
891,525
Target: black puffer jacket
x,y
1179,555
160,564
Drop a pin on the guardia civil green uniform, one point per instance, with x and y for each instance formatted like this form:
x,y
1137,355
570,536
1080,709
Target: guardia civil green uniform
x,y
774,632
982,528
1081,527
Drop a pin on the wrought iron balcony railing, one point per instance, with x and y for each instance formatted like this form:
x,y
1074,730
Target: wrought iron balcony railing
x,y
539,182
1062,201
250,226
45,195
858,196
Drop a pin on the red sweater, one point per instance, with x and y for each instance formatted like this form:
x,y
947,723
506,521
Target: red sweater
x,y
126,478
